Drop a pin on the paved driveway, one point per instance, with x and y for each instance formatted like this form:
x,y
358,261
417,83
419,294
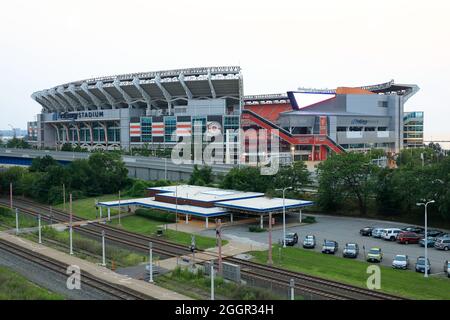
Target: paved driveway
x,y
343,230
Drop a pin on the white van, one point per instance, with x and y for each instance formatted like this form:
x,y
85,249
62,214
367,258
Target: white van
x,y
390,234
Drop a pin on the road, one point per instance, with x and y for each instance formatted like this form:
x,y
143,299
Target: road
x,y
343,230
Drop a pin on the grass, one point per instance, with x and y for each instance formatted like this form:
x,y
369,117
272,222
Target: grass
x,y
146,226
198,286
13,286
8,218
85,208
91,250
403,283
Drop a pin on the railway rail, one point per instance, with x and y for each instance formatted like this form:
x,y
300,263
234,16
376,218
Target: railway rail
x,y
319,287
113,290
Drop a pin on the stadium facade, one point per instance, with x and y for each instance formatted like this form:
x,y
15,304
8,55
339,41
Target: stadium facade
x,y
155,109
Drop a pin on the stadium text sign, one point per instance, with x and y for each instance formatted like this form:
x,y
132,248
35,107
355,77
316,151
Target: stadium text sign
x,y
80,115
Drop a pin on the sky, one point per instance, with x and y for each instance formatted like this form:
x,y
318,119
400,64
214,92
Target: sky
x,y
280,45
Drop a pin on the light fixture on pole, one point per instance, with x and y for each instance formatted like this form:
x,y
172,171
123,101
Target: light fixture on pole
x,y
284,213
425,204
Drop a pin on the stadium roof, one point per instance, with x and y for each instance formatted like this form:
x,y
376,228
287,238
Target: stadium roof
x,y
182,209
204,194
158,90
264,204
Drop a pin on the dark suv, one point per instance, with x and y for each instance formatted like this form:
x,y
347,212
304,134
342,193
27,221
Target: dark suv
x,y
291,239
418,230
351,250
420,265
330,246
366,232
408,237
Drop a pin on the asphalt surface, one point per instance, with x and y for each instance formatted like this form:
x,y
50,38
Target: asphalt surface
x,y
342,230
50,280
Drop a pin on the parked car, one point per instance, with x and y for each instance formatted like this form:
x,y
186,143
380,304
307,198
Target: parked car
x,y
309,242
445,235
330,246
366,231
442,244
401,261
447,268
390,234
291,239
375,255
377,232
351,250
418,230
434,233
408,237
430,242
420,265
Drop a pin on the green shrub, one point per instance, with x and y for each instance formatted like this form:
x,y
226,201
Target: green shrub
x,y
156,215
256,229
309,219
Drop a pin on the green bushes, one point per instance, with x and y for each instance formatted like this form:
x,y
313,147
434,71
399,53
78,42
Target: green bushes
x,y
256,229
139,187
228,289
309,219
156,215
102,173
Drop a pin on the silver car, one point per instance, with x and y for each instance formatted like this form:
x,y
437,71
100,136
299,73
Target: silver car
x,y
401,261
377,232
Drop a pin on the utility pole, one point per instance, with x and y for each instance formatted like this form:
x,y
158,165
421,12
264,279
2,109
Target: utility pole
x,y
64,197
10,196
219,239
51,215
269,260
193,250
39,229
212,279
103,249
70,225
150,266
292,286
120,209
176,207
17,221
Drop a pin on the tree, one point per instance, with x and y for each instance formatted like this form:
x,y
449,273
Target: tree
x,y
18,143
296,176
247,179
109,173
42,164
201,176
346,176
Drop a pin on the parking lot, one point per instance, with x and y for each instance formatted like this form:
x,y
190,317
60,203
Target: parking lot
x,y
342,230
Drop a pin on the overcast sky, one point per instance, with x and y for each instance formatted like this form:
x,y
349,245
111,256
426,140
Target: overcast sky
x,y
280,45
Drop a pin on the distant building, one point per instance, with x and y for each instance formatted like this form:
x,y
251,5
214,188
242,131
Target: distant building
x,y
32,131
413,129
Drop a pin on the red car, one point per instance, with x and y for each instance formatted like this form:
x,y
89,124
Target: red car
x,y
408,237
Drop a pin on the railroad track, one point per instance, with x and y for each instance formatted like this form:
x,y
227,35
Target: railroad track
x,y
316,286
113,290
126,238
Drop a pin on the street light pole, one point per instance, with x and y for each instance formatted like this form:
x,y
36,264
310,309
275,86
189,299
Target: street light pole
x,y
284,214
425,204
150,265
269,260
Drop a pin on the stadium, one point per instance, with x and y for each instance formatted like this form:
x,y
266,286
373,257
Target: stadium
x,y
154,109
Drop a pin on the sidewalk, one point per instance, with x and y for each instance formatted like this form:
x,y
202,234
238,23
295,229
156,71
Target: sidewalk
x,y
232,248
146,288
